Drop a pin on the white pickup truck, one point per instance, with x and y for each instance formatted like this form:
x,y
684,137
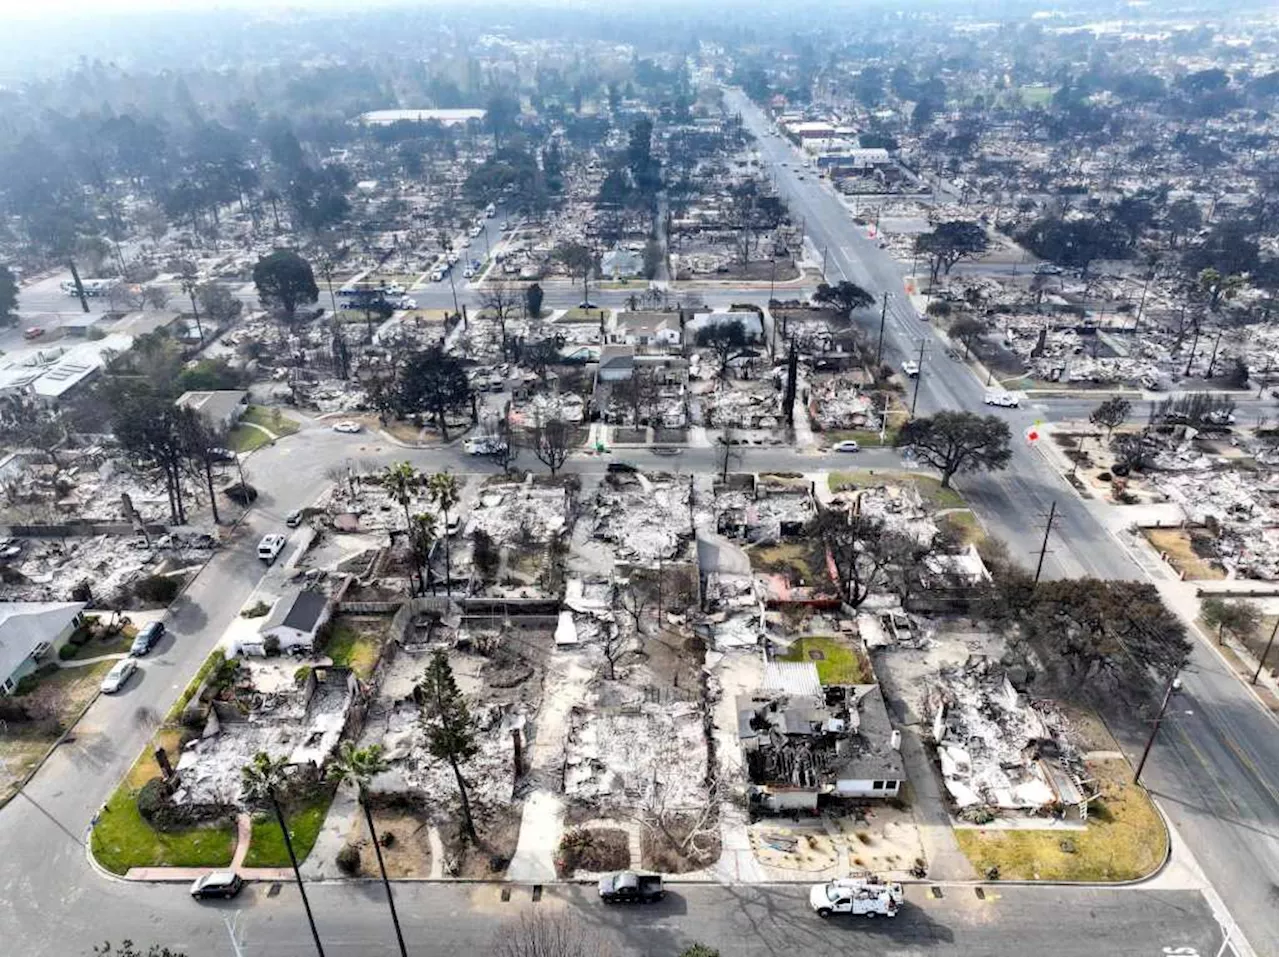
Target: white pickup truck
x,y
865,896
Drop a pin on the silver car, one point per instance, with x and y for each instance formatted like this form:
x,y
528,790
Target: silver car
x,y
119,675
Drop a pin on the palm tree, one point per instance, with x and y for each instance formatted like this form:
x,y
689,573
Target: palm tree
x,y
359,766
260,781
445,491
399,479
422,537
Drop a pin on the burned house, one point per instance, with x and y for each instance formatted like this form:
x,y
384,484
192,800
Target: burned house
x,y
802,742
999,750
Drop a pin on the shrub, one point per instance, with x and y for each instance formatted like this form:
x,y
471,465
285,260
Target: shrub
x,y
26,685
156,589
939,308
301,675
348,860
256,610
67,651
271,645
79,637
699,950
388,839
152,798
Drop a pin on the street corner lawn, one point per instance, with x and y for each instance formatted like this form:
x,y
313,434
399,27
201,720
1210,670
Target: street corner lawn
x,y
964,525
930,488
837,659
122,838
1124,839
271,419
245,438
266,843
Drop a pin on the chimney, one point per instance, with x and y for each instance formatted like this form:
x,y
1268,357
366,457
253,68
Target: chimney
x,y
895,739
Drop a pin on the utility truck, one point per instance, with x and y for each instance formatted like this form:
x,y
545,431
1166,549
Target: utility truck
x,y
864,896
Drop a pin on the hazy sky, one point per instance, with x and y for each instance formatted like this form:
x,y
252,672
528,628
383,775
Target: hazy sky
x,y
47,9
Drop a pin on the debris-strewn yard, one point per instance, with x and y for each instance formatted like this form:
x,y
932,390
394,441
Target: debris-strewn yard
x,y
1177,546
1123,840
36,719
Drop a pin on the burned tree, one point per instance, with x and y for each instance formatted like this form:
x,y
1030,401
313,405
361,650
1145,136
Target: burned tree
x,y
552,441
450,729
863,549
433,383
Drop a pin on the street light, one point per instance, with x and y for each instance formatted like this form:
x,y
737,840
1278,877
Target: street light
x,y
1174,685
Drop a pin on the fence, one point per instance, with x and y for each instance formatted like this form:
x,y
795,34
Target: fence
x,y
77,529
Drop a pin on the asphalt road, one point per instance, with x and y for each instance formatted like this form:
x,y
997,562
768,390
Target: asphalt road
x,y
1215,769
742,921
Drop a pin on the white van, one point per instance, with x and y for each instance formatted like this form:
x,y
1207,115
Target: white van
x,y
1007,400
270,546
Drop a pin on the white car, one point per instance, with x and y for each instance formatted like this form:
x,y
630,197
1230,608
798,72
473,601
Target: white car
x,y
348,427
270,546
484,445
848,445
468,273
911,368
1007,400
119,675
437,276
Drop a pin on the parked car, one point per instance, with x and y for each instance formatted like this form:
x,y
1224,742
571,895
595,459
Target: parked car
x,y
468,273
911,368
848,445
621,468
484,445
222,455
32,332
294,518
119,675
270,546
438,276
224,884
348,427
628,887
1007,400
587,304
146,639
1047,269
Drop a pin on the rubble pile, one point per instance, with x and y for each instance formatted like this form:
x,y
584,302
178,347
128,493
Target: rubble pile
x,y
837,403
899,506
996,749
1240,505
643,521
47,569
650,756
272,713
743,408
509,513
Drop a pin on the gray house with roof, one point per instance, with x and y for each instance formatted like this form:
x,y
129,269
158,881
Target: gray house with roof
x,y
802,741
295,620
30,629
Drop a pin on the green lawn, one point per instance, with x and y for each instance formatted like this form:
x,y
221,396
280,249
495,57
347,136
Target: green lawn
x,y
266,843
350,648
272,419
840,663
861,436
1037,95
216,657
1124,839
244,438
583,315
964,524
930,488
122,839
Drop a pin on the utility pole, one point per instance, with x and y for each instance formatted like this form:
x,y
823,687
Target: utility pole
x,y
1265,651
884,309
915,393
1044,545
1075,462
1174,685
773,271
